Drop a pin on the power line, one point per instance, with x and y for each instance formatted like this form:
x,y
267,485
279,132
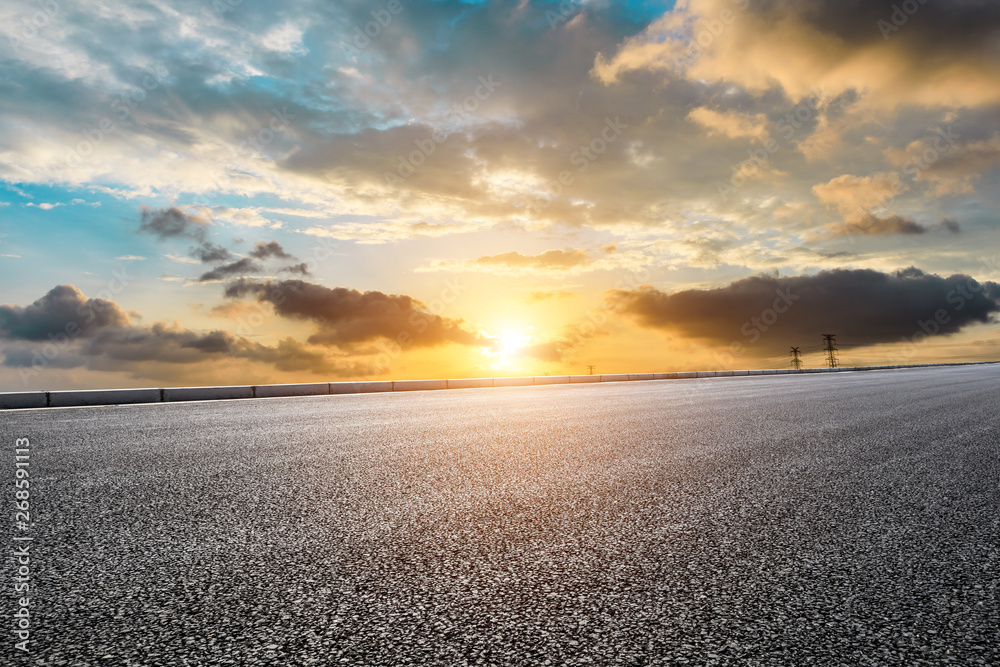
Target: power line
x,y
796,359
830,347
590,369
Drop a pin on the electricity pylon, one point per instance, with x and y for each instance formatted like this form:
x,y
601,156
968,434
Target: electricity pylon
x,y
796,360
831,349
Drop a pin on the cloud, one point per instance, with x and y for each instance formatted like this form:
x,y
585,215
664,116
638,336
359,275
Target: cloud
x,y
944,54
270,249
573,260
168,223
172,223
240,267
209,252
951,226
97,334
863,307
130,258
865,223
848,193
63,306
857,198
243,217
550,260
949,163
180,259
731,124
301,269
347,317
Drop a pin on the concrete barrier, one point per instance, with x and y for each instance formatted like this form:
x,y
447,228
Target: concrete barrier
x,y
359,387
419,385
470,383
284,390
66,399
513,382
23,399
551,379
205,393
41,399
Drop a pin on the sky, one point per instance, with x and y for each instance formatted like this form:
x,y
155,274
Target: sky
x,y
241,192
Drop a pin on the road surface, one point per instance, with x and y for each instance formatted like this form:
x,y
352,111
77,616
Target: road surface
x,y
825,519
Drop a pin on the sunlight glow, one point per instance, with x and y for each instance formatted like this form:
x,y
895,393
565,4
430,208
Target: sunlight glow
x,y
507,348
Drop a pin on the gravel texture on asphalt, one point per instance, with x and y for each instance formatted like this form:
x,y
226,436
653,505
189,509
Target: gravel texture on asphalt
x,y
849,519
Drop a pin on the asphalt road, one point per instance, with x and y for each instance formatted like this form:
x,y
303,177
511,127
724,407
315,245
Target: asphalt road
x,y
849,519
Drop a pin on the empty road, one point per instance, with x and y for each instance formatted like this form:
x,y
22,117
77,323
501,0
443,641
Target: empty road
x,y
822,519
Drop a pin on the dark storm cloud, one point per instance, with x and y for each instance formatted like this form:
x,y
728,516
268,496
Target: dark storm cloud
x,y
863,307
297,269
209,252
270,249
240,267
873,225
65,329
173,223
929,29
175,345
346,316
63,310
951,225
921,46
168,223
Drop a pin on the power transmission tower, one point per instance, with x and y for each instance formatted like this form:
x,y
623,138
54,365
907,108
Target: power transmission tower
x,y
831,349
590,369
796,359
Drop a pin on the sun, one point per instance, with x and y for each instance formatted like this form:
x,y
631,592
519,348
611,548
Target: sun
x,y
512,342
507,348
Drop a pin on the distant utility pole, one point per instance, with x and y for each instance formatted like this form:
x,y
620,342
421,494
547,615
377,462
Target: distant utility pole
x,y
831,349
796,360
590,369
